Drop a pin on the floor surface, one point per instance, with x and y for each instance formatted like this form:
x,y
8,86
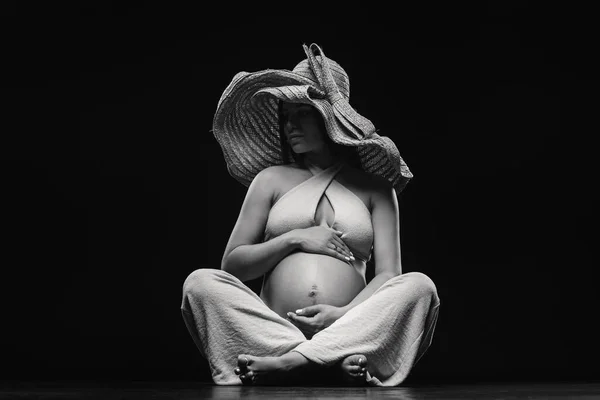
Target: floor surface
x,y
193,390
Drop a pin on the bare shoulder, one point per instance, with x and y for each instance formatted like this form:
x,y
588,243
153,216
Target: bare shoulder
x,y
277,173
382,195
267,173
264,179
277,179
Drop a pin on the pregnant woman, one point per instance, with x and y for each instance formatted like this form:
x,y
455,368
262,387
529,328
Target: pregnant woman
x,y
321,202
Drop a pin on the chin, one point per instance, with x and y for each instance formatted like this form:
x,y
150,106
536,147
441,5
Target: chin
x,y
300,149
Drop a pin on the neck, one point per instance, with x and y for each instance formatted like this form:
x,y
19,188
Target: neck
x,y
323,159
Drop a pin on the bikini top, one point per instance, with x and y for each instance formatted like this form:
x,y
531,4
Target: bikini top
x,y
321,200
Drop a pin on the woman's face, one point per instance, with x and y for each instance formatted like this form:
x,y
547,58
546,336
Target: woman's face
x,y
302,126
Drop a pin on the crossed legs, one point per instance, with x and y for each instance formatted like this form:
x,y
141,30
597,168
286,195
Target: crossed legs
x,y
245,341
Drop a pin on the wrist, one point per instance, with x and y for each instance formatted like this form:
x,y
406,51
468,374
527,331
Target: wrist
x,y
344,309
293,240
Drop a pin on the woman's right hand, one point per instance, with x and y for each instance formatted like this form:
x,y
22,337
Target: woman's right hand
x,y
323,240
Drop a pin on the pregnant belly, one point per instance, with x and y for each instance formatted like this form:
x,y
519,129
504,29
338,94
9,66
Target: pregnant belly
x,y
304,279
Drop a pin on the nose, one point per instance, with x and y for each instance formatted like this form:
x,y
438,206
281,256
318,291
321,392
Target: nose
x,y
290,123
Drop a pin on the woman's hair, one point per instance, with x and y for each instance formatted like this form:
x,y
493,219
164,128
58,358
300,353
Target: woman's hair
x,y
346,153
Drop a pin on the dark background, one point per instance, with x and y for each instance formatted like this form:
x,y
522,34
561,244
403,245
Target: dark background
x,y
114,189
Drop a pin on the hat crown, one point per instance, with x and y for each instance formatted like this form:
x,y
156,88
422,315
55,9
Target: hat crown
x,y
340,76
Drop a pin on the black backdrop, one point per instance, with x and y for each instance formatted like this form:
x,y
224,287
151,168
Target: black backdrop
x,y
114,189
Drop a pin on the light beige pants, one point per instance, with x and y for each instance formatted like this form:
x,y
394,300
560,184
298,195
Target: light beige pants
x,y
393,328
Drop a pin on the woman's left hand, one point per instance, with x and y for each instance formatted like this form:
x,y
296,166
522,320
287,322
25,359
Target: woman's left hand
x,y
313,319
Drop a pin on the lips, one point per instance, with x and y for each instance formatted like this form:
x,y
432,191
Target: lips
x,y
294,136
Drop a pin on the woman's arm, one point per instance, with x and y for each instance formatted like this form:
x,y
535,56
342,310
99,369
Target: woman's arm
x,y
245,256
250,261
386,244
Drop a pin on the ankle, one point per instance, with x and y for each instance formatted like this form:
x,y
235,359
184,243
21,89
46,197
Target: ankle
x,y
293,360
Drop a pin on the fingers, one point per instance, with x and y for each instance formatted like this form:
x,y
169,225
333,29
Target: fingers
x,y
309,311
338,254
339,246
309,326
340,250
336,246
305,324
337,238
343,247
305,329
299,319
335,251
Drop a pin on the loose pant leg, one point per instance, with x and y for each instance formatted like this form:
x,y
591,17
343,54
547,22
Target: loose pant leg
x,y
392,328
226,318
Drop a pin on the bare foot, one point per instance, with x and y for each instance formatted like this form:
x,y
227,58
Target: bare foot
x,y
354,370
270,370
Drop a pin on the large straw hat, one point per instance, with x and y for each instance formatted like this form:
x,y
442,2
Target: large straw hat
x,y
246,122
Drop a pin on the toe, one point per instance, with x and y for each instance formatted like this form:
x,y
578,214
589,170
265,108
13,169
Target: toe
x,y
354,369
243,362
356,360
245,380
248,378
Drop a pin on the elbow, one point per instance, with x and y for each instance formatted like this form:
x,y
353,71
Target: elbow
x,y
225,262
388,265
390,273
227,265
224,266
231,263
229,268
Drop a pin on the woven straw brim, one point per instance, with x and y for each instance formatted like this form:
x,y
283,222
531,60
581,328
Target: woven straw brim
x,y
246,125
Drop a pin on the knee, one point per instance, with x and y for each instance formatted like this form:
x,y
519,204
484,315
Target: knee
x,y
201,282
421,285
